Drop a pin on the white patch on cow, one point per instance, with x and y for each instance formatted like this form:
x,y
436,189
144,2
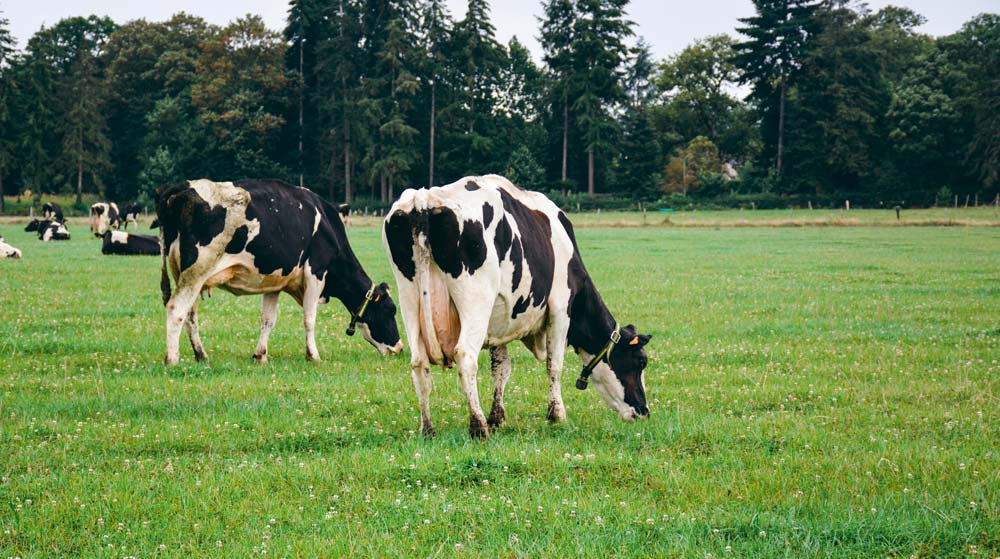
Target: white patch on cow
x,y
7,251
609,387
119,237
316,222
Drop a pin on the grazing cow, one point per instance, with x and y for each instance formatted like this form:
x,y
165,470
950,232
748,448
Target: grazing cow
x,y
7,251
104,216
264,237
51,210
130,244
130,215
481,263
52,231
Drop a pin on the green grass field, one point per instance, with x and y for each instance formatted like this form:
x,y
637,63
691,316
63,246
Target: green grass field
x,y
814,392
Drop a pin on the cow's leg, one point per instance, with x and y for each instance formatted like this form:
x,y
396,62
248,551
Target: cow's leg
x,y
468,371
500,364
310,301
191,325
177,312
268,317
555,349
420,373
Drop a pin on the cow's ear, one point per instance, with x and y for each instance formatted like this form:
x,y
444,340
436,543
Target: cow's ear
x,y
641,340
385,286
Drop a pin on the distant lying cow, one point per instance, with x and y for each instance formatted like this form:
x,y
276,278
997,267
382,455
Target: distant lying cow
x,y
263,237
52,231
7,251
52,211
481,263
130,215
130,244
104,216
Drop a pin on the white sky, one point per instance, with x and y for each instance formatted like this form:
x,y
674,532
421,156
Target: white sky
x,y
668,25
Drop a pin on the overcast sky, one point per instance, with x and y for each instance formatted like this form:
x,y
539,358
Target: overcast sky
x,y
668,25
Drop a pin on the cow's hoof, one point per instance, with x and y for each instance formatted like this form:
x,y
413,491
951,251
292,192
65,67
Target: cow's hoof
x,y
260,358
168,361
200,357
478,429
557,413
312,357
497,417
428,431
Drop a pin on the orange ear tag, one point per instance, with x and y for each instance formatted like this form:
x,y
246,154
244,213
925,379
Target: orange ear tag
x,y
377,297
635,341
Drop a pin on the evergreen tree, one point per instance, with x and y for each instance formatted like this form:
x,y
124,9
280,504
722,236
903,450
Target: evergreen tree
x,y
770,59
557,41
85,145
6,139
436,30
638,161
599,53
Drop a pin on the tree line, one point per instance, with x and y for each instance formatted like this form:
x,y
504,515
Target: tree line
x,y
362,98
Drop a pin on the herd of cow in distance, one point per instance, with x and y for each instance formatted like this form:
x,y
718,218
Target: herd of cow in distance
x,y
478,264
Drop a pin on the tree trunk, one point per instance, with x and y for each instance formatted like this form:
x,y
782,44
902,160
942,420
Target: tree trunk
x,y
781,126
348,191
302,102
79,181
590,171
392,195
565,146
430,181
382,187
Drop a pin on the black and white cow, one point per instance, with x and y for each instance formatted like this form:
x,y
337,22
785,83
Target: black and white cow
x,y
130,244
104,216
52,231
481,263
264,237
130,214
52,211
7,251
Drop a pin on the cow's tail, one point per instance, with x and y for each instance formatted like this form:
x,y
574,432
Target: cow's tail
x,y
164,274
422,259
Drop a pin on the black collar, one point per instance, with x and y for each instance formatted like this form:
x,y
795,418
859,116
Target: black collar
x,y
581,383
356,316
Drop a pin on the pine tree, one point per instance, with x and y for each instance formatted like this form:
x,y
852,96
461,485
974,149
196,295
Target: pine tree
x,y
435,32
779,35
85,145
599,53
6,140
558,23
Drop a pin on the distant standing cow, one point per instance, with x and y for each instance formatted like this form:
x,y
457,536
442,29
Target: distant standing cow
x,y
481,263
104,216
130,215
130,244
264,237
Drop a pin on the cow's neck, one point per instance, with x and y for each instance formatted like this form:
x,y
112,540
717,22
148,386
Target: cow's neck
x,y
590,323
346,280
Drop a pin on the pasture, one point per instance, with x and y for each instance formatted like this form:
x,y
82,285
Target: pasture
x,y
813,392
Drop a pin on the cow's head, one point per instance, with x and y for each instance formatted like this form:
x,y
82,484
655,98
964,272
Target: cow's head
x,y
619,379
32,225
378,322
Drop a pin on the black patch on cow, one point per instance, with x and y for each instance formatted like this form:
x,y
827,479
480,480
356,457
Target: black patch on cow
x,y
185,215
51,210
285,229
98,211
517,257
502,238
471,186
239,240
454,251
134,245
519,307
535,234
399,236
487,215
